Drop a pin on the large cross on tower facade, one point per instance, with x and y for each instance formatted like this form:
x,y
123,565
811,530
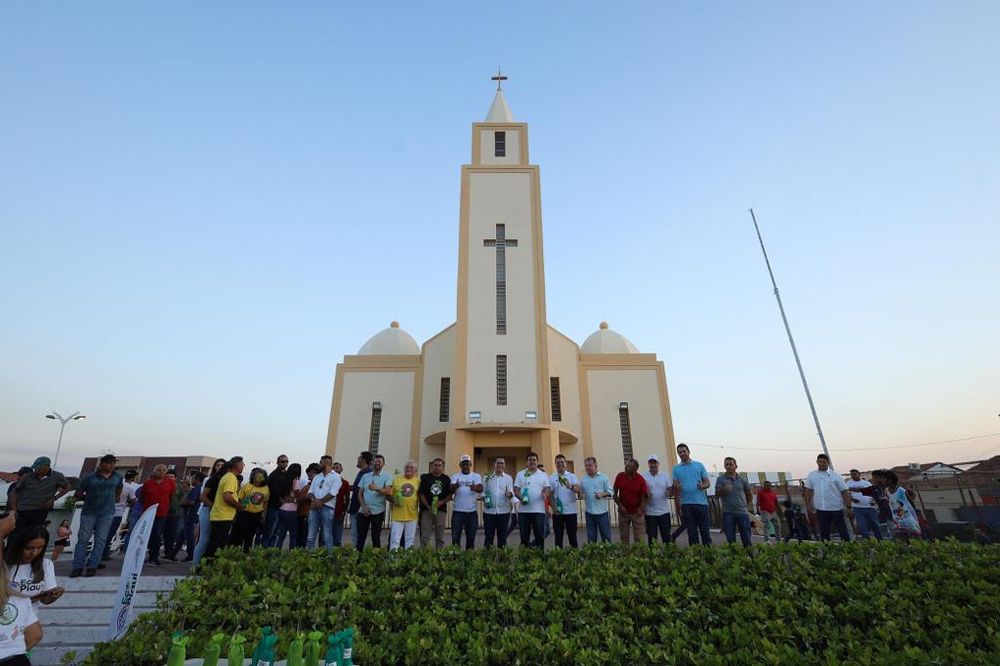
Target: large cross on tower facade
x,y
501,243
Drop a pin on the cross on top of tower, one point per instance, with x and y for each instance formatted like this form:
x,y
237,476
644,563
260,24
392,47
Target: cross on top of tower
x,y
499,78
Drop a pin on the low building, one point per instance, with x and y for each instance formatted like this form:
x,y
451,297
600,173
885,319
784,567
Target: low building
x,y
181,465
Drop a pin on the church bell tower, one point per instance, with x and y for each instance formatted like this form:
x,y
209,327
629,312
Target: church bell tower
x,y
501,374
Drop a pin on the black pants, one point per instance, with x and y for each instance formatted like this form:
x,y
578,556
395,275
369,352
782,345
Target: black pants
x,y
366,523
156,538
467,523
218,536
532,523
303,534
16,660
496,525
245,529
565,522
31,518
659,524
835,518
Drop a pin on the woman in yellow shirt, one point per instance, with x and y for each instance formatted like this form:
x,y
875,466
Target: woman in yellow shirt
x,y
253,505
404,507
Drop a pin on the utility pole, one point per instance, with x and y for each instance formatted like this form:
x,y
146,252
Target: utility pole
x,y
791,340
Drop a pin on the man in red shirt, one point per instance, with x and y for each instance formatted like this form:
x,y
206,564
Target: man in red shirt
x,y
630,496
767,505
157,490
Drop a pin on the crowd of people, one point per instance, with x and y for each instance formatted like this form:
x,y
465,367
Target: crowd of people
x,y
296,508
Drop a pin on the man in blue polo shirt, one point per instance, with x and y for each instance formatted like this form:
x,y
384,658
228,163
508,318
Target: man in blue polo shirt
x,y
99,492
690,482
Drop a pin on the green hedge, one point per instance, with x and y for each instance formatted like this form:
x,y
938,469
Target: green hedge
x,y
799,603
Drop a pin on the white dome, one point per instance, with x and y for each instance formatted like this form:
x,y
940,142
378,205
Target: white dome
x,y
606,341
392,340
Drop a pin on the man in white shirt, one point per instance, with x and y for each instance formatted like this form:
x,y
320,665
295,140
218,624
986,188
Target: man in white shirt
x,y
865,513
498,495
465,486
566,490
125,501
826,496
323,493
532,487
657,501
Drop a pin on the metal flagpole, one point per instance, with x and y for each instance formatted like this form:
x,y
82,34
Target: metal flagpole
x,y
791,340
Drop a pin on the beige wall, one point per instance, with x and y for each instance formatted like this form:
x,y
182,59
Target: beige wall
x,y
501,198
564,361
639,387
394,389
486,146
439,361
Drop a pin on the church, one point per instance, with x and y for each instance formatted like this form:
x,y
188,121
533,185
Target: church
x,y
500,381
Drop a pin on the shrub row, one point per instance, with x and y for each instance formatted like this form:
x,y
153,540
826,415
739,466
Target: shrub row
x,y
797,603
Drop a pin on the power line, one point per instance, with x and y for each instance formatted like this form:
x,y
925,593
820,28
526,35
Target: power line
x,y
864,448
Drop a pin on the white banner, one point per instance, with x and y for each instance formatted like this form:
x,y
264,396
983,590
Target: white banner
x,y
135,556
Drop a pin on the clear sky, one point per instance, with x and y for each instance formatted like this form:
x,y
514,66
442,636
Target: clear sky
x,y
205,206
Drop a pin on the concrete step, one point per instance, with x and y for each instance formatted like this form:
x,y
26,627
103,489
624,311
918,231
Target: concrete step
x,y
101,600
110,583
81,616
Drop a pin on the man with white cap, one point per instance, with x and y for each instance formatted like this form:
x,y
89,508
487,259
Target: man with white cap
x,y
658,501
465,486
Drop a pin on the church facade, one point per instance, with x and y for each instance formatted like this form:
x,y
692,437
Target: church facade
x,y
500,381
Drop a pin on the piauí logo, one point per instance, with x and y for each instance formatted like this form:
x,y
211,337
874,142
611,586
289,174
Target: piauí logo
x,y
9,614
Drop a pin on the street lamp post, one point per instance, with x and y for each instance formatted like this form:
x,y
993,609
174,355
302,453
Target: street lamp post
x,y
56,416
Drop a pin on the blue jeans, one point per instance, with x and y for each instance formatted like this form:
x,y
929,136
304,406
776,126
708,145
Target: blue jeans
x,y
464,522
288,524
96,526
697,522
495,525
204,529
190,522
733,521
532,523
867,520
268,535
595,522
321,518
116,522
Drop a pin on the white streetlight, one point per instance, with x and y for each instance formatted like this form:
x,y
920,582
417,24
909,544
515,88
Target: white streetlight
x,y
56,416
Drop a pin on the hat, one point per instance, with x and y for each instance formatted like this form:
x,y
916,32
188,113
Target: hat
x,y
40,462
465,458
106,458
129,474
653,456
24,470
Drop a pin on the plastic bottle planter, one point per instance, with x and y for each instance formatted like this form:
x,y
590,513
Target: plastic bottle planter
x,y
263,653
178,649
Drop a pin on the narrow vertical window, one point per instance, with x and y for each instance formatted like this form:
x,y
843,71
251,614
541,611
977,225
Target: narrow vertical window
x,y
626,427
376,427
556,400
445,408
500,144
501,379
